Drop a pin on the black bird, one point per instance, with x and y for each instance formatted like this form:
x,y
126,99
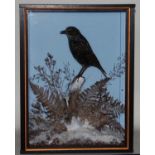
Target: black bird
x,y
81,50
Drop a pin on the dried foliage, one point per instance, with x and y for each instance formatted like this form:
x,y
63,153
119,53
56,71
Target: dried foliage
x,y
51,113
52,78
97,106
51,102
119,67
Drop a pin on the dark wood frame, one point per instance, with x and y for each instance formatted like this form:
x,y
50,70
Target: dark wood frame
x,y
130,10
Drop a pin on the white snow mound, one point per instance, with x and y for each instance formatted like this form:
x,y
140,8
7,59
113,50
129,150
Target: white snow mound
x,y
84,131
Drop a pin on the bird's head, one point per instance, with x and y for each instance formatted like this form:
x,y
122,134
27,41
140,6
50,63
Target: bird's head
x,y
70,31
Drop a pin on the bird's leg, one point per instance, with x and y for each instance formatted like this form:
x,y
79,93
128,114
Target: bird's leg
x,y
80,73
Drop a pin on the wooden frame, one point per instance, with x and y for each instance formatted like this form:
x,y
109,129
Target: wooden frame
x,y
129,10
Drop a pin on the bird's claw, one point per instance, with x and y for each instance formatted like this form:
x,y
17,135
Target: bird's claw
x,y
108,78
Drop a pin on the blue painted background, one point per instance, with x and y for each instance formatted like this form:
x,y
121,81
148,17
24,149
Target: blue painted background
x,y
104,31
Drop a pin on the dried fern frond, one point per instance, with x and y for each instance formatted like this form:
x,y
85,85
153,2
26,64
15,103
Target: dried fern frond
x,y
92,93
97,106
52,102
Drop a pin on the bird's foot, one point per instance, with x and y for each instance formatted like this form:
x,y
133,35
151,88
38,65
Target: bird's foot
x,y
76,78
108,78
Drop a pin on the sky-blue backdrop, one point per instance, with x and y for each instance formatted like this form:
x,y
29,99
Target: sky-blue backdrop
x,y
104,31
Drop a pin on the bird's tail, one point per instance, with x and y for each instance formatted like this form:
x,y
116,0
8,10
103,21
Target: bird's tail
x,y
103,71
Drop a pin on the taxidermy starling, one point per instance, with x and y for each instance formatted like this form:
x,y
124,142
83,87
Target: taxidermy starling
x,y
81,50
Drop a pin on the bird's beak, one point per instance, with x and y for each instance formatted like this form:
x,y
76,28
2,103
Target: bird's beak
x,y
63,32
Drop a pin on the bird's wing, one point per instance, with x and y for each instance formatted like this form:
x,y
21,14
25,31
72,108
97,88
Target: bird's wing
x,y
87,51
84,45
83,52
